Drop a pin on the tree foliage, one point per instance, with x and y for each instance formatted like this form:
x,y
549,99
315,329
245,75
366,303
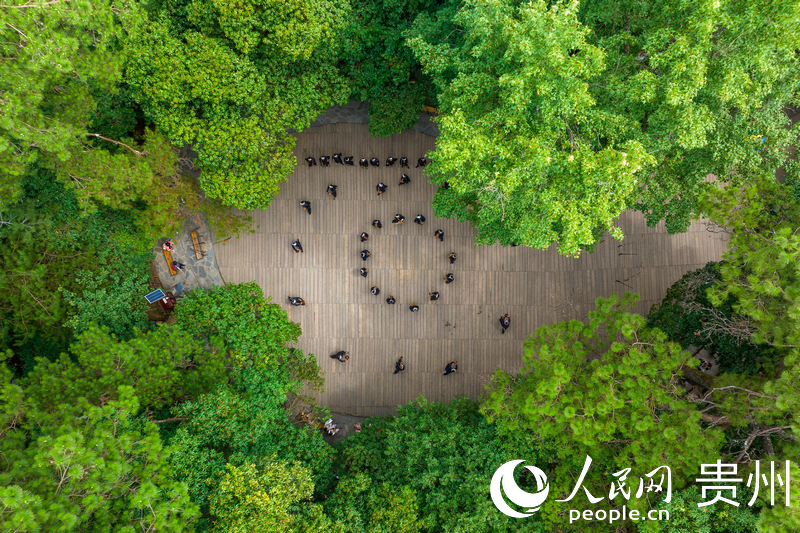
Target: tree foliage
x,y
702,86
59,265
540,100
359,506
761,271
54,53
444,457
528,157
382,68
263,499
687,316
239,423
685,516
252,329
85,467
610,389
230,79
162,367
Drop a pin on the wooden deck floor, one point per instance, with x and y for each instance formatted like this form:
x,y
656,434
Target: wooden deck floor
x,y
535,287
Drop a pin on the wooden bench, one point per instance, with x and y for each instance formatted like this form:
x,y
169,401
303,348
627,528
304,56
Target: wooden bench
x,y
168,257
196,242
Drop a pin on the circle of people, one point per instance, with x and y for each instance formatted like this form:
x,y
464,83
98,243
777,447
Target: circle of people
x,y
342,356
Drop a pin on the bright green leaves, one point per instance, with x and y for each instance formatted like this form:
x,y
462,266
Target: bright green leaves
x,y
251,499
761,270
52,55
701,80
608,389
239,422
88,467
518,128
252,329
231,79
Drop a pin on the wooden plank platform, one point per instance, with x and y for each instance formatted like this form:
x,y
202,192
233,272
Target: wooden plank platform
x,y
535,287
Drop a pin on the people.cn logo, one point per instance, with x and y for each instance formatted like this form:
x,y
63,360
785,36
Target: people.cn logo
x,y
530,501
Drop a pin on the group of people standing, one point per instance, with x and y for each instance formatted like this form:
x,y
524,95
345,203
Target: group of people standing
x,y
365,254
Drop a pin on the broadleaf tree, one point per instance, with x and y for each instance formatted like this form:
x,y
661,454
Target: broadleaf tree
x,y
231,79
527,156
703,86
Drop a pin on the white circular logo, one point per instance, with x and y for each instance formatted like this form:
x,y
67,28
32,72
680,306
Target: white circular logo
x,y
532,501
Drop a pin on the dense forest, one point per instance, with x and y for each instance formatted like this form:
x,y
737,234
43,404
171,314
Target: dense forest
x,y
554,117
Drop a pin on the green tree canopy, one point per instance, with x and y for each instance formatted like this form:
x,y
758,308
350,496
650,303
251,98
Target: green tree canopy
x,y
254,331
700,85
687,316
85,468
610,389
231,78
528,157
382,68
762,262
540,100
264,499
443,456
54,54
357,505
239,423
162,367
60,266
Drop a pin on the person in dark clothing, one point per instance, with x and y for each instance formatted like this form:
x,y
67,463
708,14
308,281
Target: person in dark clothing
x,y
178,266
398,219
381,188
399,366
413,307
364,236
375,162
332,190
363,272
390,300
365,254
505,321
337,158
403,162
377,224
419,219
311,162
296,300
434,295
452,257
391,161
404,179
363,163
325,160
341,356
451,367
297,247
375,290
446,185
349,161
438,234
305,204
421,162
449,278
